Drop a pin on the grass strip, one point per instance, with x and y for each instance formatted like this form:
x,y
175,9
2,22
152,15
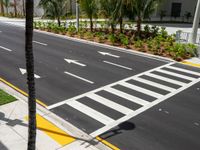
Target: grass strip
x,y
6,98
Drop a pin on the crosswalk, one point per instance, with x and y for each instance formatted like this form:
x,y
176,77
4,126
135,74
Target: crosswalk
x,y
146,90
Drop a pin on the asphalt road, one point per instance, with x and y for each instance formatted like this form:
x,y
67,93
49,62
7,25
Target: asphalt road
x,y
157,100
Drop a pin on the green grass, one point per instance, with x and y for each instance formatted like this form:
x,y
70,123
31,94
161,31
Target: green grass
x,y
5,98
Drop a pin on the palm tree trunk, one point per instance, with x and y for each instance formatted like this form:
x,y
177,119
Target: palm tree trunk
x,y
139,21
30,75
70,7
2,7
91,24
15,8
121,24
59,22
23,7
112,28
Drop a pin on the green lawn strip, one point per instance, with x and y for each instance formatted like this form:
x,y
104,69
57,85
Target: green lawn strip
x,y
5,98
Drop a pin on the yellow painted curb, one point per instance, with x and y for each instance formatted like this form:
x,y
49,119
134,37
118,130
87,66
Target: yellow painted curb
x,y
22,92
191,64
53,131
107,143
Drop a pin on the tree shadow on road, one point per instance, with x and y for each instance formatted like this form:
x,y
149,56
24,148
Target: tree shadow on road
x,y
125,126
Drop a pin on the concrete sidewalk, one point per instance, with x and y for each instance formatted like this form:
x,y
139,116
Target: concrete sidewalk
x,y
52,133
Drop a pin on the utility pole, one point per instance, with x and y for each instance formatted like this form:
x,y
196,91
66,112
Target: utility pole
x,y
195,27
77,15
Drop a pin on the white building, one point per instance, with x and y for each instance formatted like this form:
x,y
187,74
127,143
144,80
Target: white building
x,y
174,9
177,9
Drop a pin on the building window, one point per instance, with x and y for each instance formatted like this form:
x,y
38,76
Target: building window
x,y
176,10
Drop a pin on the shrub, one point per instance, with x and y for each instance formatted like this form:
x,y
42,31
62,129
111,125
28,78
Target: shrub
x,y
71,29
155,30
89,35
192,50
112,38
124,40
138,44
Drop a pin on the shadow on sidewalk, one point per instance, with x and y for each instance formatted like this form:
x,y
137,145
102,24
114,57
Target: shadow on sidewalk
x,y
3,147
93,141
11,122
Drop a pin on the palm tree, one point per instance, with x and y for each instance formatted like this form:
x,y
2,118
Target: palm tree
x,y
2,7
30,74
54,9
120,12
90,9
23,7
15,7
108,9
143,9
6,4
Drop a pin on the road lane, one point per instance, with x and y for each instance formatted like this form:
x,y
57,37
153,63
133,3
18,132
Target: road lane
x,y
55,87
50,64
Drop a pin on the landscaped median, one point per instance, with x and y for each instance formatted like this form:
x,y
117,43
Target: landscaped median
x,y
153,40
6,98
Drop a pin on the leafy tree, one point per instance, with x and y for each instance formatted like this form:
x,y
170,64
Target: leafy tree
x,y
30,74
90,9
54,9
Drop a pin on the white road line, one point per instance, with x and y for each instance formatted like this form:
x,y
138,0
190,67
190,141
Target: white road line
x,y
40,43
183,70
108,54
74,62
110,104
102,88
176,75
140,110
126,96
140,89
165,79
90,112
23,71
7,49
117,65
73,75
157,85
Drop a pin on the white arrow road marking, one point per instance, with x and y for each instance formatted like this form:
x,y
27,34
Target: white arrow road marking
x,y
109,54
117,65
23,71
7,49
73,75
74,62
40,43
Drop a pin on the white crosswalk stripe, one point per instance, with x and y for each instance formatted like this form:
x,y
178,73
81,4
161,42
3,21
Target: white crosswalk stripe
x,y
126,96
184,70
142,90
110,104
176,75
90,112
157,85
128,113
165,79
